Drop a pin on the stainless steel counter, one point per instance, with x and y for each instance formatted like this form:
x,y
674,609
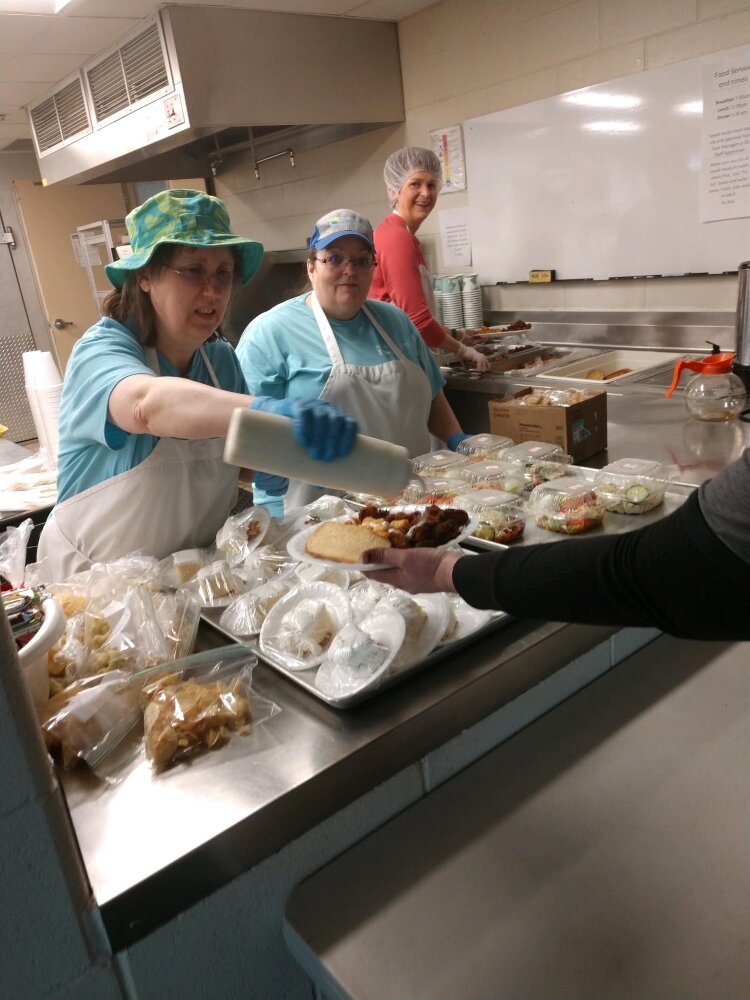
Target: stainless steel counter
x,y
152,847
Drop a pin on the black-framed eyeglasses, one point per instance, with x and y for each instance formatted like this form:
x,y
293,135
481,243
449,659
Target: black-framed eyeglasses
x,y
198,277
336,260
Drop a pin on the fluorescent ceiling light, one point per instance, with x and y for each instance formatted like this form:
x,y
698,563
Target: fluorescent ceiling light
x,y
32,6
594,100
612,126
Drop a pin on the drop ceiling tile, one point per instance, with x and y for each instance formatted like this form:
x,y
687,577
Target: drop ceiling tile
x,y
19,31
47,68
15,95
87,35
111,8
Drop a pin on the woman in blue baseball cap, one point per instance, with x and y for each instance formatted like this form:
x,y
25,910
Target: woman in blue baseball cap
x,y
150,388
365,357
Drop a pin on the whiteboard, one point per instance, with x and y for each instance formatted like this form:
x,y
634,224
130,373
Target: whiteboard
x,y
548,191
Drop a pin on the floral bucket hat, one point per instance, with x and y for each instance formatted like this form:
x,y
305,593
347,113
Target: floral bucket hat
x,y
187,218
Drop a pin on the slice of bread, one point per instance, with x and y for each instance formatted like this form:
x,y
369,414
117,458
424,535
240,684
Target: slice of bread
x,y
344,543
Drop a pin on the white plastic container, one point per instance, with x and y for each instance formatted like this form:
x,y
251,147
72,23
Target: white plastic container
x,y
33,656
265,442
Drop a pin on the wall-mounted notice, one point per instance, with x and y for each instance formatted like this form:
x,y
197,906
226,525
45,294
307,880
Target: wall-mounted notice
x,y
448,144
725,172
456,237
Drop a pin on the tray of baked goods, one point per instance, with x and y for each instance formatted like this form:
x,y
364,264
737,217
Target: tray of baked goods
x,y
303,604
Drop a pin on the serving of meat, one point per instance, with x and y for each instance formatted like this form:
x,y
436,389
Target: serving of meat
x,y
424,528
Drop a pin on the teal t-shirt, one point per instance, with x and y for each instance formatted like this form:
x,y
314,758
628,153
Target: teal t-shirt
x,y
282,353
92,448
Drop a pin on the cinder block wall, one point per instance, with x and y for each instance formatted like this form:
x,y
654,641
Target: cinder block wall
x,y
464,58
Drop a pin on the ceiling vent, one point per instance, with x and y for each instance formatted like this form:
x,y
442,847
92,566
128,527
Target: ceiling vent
x,y
127,76
60,118
193,85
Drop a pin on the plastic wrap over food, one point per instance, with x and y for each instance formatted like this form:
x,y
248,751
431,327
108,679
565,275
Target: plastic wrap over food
x,y
13,543
102,720
425,618
242,533
301,626
363,597
359,655
107,629
217,584
246,614
178,615
188,713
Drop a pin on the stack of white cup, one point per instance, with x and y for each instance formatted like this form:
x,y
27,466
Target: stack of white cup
x,y
471,300
450,300
43,389
437,295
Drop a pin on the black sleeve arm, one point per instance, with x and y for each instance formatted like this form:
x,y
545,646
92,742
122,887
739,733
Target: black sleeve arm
x,y
675,575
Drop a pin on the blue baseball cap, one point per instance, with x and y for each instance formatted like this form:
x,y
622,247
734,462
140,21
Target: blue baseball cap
x,y
340,222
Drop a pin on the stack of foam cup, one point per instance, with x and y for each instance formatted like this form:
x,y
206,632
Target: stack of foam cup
x,y
43,389
471,300
450,299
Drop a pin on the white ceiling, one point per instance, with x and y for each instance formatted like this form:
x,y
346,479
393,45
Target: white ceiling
x,y
38,50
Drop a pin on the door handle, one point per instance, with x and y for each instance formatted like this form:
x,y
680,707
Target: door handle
x,y
60,324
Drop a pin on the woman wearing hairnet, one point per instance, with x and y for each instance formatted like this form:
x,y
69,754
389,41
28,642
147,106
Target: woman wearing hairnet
x,y
413,178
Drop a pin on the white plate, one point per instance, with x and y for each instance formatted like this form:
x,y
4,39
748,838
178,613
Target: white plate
x,y
435,607
468,619
336,678
296,545
336,604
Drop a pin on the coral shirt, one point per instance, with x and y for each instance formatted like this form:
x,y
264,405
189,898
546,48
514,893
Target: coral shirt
x,y
397,278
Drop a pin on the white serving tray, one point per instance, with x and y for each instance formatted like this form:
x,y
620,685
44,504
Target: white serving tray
x,y
610,361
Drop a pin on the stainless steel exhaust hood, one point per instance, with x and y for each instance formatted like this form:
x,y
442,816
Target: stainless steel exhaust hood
x,y
193,85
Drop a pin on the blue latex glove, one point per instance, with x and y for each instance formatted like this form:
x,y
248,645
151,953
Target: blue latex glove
x,y
274,486
318,426
455,439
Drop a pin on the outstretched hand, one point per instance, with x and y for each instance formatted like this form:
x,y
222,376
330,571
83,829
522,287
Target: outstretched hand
x,y
420,571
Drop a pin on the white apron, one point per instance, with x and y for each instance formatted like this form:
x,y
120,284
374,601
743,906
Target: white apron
x,y
177,498
390,401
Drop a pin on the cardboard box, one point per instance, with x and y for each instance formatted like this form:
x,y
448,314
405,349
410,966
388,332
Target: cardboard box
x,y
580,429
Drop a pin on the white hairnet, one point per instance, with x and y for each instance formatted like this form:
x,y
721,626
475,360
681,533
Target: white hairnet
x,y
405,162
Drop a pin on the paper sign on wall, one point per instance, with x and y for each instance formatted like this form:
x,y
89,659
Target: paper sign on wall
x,y
448,144
725,139
456,237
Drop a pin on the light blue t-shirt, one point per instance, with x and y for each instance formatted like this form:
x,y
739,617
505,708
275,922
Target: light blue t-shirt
x,y
283,355
92,448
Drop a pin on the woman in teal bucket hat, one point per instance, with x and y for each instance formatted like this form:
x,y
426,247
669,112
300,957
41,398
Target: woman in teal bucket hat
x,y
150,388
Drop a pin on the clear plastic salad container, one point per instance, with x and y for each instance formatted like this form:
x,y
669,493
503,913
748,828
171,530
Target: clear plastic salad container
x,y
484,446
440,492
567,505
539,460
630,485
502,516
441,464
495,474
